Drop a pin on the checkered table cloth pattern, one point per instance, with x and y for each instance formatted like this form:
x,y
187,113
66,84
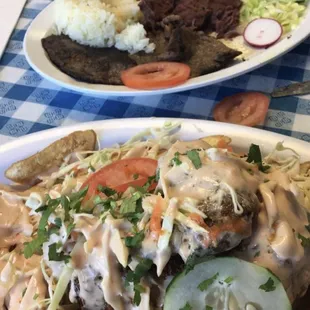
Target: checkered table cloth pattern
x,y
29,103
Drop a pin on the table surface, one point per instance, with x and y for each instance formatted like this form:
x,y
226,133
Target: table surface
x,y
29,103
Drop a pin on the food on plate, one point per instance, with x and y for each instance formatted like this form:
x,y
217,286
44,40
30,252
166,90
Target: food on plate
x,y
99,39
156,75
158,223
29,169
262,32
248,109
88,64
236,281
289,13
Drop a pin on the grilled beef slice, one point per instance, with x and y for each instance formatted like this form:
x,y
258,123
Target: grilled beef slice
x,y
84,63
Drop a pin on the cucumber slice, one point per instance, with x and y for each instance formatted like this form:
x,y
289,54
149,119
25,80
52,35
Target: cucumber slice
x,y
226,283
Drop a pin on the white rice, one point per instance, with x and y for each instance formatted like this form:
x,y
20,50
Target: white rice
x,y
102,23
133,39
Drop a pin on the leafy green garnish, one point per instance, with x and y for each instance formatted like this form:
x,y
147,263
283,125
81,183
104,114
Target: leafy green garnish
x,y
157,177
190,263
135,277
58,222
138,289
206,283
77,198
35,296
106,190
305,242
176,159
35,245
65,203
135,241
209,307
135,176
187,307
129,204
193,155
70,227
228,280
268,286
53,255
255,156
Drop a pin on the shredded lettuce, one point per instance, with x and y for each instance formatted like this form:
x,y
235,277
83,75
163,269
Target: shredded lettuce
x,y
288,13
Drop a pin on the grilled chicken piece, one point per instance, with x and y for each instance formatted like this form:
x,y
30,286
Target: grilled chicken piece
x,y
26,170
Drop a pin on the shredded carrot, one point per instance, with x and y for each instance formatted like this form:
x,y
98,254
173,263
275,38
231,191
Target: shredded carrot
x,y
155,222
223,145
197,218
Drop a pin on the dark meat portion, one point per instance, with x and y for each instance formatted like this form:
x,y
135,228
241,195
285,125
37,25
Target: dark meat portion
x,y
221,16
195,14
155,11
225,17
84,63
202,53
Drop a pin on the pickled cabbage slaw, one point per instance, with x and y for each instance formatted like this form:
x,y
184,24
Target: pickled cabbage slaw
x,y
288,13
98,252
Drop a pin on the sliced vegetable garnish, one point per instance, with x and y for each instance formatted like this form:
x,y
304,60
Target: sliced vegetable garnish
x,y
53,255
193,155
135,241
255,156
237,282
121,174
268,286
248,109
187,307
305,242
262,32
176,159
156,75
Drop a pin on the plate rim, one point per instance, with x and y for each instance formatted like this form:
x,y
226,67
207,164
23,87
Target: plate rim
x,y
282,47
147,122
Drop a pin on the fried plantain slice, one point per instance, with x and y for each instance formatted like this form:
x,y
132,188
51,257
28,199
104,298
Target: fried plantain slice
x,y
26,170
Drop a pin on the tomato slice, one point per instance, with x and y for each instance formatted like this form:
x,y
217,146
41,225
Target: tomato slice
x,y
156,75
121,174
247,109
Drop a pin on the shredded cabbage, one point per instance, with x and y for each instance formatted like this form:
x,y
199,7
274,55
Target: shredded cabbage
x,y
287,12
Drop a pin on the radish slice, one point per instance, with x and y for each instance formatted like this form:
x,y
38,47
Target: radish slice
x,y
262,32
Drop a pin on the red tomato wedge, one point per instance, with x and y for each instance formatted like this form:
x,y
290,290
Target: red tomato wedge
x,y
156,75
121,174
248,109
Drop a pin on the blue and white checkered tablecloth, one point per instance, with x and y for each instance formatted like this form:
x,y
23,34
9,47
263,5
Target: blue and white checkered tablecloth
x,y
29,103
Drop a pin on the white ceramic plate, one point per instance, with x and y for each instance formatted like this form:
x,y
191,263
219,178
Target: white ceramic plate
x,y
116,131
39,61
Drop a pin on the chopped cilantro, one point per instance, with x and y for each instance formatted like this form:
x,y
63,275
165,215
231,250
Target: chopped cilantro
x,y
70,227
190,263
176,159
209,307
58,222
138,289
35,245
106,190
40,209
268,286
305,242
228,280
187,307
129,204
157,177
135,241
53,255
206,283
255,156
135,176
64,201
35,296
77,198
193,155
135,277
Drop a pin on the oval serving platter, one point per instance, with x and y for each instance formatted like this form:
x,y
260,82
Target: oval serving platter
x,y
42,25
